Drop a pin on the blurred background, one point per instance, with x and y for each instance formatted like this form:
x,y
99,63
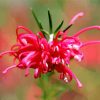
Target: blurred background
x,y
13,85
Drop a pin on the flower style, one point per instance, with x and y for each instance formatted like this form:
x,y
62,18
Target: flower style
x,y
46,52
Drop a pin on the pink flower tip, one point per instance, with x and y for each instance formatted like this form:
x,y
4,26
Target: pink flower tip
x,y
76,17
80,85
4,72
98,27
26,74
81,14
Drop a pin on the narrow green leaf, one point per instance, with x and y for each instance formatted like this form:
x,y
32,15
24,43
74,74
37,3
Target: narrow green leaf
x,y
67,28
59,26
38,22
50,21
45,33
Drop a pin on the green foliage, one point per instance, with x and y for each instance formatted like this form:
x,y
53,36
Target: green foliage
x,y
38,22
51,88
50,22
67,28
59,26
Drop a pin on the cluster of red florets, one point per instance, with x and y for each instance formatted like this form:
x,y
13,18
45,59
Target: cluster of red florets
x,y
46,55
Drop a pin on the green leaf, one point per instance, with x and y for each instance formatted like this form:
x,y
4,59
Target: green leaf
x,y
50,21
67,28
59,26
50,74
38,22
45,33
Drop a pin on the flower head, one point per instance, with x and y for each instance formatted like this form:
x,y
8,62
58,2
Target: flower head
x,y
46,52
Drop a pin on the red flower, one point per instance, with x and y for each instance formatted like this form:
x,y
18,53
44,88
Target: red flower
x,y
31,52
35,51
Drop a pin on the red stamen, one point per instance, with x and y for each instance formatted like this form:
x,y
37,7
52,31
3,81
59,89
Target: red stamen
x,y
6,70
58,34
76,17
73,76
40,34
6,52
86,29
22,27
27,71
90,43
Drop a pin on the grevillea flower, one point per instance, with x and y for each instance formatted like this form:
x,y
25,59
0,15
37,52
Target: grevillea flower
x,y
46,52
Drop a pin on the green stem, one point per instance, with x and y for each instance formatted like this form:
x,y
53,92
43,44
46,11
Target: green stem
x,y
43,87
45,84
